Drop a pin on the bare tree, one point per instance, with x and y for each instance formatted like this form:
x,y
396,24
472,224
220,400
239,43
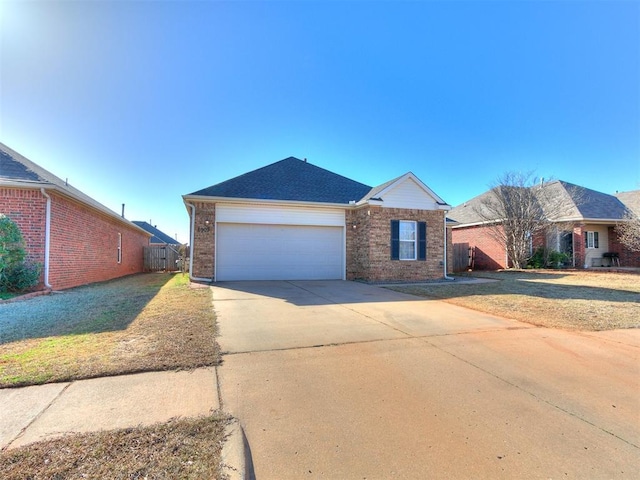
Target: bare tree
x,y
514,215
518,210
629,231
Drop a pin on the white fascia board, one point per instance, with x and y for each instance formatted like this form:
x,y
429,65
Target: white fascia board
x,y
208,199
477,224
589,220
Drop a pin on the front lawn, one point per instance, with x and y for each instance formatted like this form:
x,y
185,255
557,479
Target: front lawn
x,y
178,449
144,322
576,300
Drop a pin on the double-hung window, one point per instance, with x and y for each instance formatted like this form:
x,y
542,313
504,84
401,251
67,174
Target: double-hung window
x,y
591,240
408,240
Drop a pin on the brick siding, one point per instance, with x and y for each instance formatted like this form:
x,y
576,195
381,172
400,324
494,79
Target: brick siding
x,y
489,254
369,245
83,242
204,240
627,257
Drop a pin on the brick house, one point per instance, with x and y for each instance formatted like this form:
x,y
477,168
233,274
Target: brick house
x,y
292,220
76,239
584,223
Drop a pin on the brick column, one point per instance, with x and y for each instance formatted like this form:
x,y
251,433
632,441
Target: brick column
x,y
579,253
203,248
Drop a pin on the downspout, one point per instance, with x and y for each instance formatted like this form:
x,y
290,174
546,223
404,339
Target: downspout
x,y
191,248
446,277
47,238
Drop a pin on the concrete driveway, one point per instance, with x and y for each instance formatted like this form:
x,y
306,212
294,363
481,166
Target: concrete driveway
x,y
342,380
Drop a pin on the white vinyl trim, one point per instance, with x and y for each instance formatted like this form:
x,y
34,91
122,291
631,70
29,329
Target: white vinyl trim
x,y
279,215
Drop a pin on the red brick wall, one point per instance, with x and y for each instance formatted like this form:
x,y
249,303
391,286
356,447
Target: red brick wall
x,y
579,251
27,209
83,242
369,245
489,254
627,257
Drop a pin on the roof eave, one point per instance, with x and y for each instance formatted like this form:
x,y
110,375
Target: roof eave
x,y
94,206
209,199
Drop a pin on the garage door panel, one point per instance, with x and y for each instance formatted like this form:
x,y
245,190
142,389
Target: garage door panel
x,y
279,252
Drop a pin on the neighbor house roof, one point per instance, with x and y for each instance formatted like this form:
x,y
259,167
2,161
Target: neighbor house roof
x,y
562,201
17,171
290,179
631,200
158,235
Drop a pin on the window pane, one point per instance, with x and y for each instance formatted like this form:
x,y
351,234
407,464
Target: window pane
x,y
407,250
407,231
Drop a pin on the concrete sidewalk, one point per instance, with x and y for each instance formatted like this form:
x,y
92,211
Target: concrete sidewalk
x,y
43,412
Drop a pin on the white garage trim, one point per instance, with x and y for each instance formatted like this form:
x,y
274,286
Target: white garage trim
x,y
254,251
279,215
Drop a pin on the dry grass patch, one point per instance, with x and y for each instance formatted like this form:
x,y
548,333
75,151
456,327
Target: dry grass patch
x,y
179,449
140,323
573,300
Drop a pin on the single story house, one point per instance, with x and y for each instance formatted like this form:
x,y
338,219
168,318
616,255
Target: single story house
x,y
292,220
76,239
584,227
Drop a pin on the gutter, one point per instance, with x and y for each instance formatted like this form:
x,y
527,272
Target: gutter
x,y
47,237
446,277
191,246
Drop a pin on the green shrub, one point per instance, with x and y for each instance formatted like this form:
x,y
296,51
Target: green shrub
x,y
17,274
20,276
544,258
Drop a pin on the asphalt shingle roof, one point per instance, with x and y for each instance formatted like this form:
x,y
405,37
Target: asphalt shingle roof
x,y
158,235
561,200
11,169
290,179
631,200
17,170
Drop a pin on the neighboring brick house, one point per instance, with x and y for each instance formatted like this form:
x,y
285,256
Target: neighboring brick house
x,y
631,201
292,220
76,239
584,221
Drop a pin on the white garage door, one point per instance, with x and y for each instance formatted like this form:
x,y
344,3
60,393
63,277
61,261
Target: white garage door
x,y
278,252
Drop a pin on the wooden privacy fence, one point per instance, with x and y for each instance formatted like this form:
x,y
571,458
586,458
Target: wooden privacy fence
x,y
462,257
164,258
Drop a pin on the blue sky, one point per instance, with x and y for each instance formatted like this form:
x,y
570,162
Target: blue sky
x,y
140,102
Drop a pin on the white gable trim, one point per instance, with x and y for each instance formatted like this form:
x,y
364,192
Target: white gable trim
x,y
407,180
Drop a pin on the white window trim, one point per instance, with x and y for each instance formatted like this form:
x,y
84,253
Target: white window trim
x,y
591,240
415,241
119,248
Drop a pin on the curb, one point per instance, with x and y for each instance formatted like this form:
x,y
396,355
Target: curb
x,y
236,455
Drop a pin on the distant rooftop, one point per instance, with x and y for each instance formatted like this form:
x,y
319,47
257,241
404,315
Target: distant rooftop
x,y
158,235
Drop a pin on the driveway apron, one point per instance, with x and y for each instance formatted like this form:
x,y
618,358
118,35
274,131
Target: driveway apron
x,y
344,380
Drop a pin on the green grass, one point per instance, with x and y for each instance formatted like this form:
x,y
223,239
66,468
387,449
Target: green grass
x,y
575,300
140,323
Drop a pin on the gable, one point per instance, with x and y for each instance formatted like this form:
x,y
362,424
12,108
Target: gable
x,y
409,194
